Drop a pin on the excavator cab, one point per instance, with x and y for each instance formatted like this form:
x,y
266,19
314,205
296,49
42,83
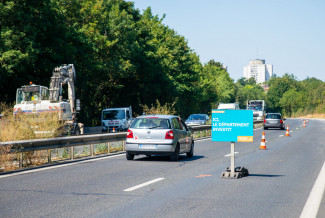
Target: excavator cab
x,y
32,93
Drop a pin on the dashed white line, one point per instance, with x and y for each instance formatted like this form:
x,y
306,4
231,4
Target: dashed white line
x,y
228,155
143,184
315,197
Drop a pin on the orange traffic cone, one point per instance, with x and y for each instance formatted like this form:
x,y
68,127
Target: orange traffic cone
x,y
113,129
287,132
263,146
304,125
306,121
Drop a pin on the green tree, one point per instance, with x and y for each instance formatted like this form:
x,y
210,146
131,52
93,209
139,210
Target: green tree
x,y
291,101
216,86
249,92
277,87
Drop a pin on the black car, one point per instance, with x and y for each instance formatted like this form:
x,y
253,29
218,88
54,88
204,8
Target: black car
x,y
274,120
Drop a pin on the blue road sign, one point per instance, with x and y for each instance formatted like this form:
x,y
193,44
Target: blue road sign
x,y
232,125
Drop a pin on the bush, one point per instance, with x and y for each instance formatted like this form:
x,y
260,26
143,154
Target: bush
x,y
167,108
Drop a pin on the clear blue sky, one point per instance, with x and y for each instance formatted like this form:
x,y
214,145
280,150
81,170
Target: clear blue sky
x,y
290,34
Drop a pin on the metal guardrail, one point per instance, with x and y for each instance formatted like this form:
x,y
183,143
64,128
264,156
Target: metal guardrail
x,y
21,147
62,142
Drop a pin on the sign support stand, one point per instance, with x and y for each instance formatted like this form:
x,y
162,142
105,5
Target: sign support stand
x,y
232,172
232,161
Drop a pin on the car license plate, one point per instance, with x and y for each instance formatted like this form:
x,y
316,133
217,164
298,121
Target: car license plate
x,y
146,146
273,122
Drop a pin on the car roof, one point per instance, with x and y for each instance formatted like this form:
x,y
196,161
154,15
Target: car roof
x,y
157,116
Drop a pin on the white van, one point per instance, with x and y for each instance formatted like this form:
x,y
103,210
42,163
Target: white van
x,y
228,106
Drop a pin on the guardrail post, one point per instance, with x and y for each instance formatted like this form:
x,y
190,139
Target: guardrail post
x,y
72,152
20,157
108,147
49,156
92,149
123,144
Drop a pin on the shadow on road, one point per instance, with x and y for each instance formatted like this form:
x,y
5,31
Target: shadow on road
x,y
265,175
182,158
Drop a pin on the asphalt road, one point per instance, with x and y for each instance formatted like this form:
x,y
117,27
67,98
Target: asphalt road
x,y
280,181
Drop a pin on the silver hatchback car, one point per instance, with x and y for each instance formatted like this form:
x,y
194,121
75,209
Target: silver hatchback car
x,y
159,135
274,120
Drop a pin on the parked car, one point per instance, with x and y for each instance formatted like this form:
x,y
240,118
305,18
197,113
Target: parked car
x,y
197,119
159,135
274,120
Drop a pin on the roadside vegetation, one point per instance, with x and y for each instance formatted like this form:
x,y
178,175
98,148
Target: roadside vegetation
x,y
24,127
126,57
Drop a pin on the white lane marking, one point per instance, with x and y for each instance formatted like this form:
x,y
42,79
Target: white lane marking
x,y
315,197
281,135
143,184
228,155
58,166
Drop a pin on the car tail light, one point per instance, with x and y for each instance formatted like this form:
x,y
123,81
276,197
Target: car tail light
x,y
264,121
169,134
281,121
129,134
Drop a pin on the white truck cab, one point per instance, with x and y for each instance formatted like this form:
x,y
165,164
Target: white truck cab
x,y
228,106
116,119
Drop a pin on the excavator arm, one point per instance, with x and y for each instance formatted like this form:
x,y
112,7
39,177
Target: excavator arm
x,y
65,74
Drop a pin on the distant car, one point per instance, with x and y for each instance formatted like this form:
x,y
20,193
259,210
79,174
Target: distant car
x,y
274,120
197,119
159,135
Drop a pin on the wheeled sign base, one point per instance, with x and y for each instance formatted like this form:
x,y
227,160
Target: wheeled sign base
x,y
238,173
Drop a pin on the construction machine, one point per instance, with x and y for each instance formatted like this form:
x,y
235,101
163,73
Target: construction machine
x,y
36,99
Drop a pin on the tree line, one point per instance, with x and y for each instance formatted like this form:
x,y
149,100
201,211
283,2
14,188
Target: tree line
x,y
124,57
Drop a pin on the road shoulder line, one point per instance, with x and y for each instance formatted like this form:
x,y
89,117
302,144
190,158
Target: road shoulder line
x,y
315,197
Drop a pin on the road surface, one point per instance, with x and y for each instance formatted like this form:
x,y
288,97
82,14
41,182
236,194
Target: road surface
x,y
280,181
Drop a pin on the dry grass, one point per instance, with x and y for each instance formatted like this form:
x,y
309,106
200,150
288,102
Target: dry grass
x,y
28,126
6,159
318,116
25,127
33,158
159,109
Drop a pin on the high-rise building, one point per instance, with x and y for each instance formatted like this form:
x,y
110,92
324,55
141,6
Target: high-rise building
x,y
259,70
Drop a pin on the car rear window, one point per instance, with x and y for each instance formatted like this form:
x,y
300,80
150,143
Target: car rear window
x,y
151,123
196,117
273,116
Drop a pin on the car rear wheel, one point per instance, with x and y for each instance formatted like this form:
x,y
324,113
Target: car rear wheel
x,y
129,156
265,128
175,155
190,154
